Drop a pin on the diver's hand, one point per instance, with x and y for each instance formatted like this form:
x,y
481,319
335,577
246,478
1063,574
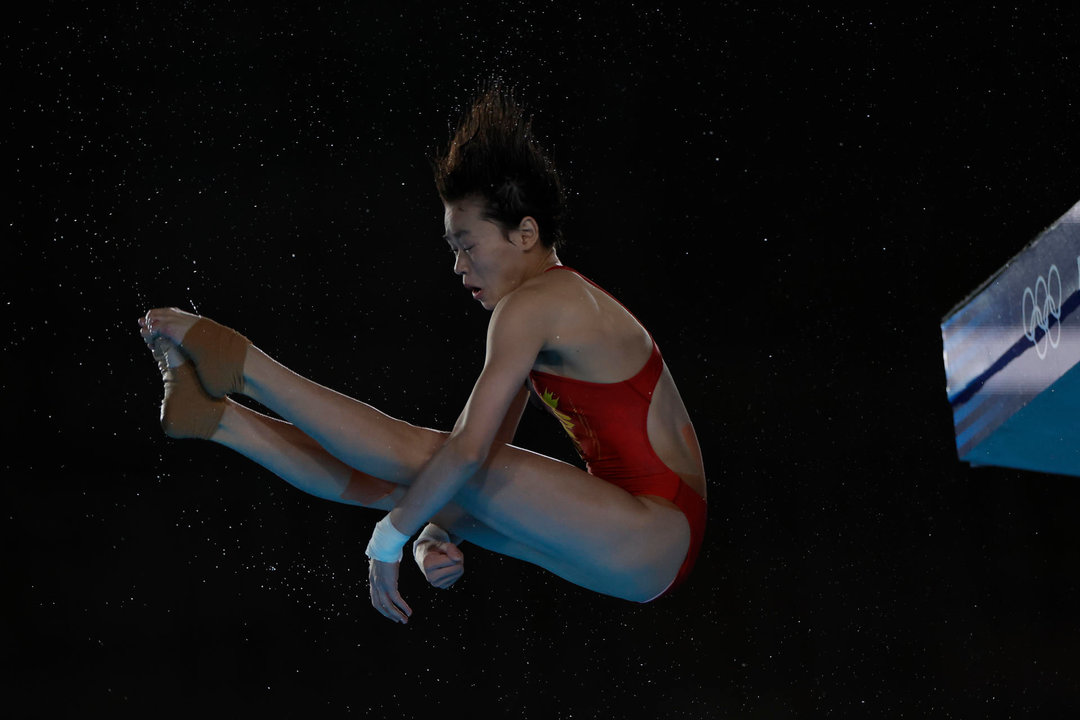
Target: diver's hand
x,y
442,563
383,579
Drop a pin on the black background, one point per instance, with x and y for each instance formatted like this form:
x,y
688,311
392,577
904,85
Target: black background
x,y
790,201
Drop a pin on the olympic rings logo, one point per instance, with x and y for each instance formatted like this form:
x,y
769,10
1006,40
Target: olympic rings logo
x,y
1038,306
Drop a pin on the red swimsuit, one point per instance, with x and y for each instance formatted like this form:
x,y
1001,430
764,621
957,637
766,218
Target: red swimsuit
x,y
608,423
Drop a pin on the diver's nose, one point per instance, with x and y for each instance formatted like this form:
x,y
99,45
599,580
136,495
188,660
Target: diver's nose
x,y
459,263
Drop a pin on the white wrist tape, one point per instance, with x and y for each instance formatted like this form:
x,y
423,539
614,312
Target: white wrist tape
x,y
431,533
386,542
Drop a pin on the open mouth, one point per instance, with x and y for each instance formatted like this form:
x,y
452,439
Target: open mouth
x,y
473,289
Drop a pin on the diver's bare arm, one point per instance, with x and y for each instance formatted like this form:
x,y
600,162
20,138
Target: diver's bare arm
x,y
492,410
508,429
505,436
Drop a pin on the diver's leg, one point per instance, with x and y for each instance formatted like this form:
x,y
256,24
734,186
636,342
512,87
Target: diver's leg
x,y
286,451
355,433
578,526
582,528
187,411
352,431
292,455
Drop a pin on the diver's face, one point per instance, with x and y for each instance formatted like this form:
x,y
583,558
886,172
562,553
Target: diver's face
x,y
490,264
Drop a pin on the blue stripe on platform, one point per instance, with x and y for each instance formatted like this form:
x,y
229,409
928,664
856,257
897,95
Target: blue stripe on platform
x,y
960,413
1018,348
994,411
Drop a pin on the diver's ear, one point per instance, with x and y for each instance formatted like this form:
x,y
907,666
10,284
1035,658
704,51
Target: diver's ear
x,y
527,234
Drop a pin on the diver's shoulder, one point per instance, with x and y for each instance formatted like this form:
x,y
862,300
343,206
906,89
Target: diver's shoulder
x,y
545,294
557,279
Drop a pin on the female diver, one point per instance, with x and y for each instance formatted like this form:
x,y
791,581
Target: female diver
x,y
630,527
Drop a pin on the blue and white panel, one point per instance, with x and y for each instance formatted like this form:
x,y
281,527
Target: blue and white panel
x,y
1016,336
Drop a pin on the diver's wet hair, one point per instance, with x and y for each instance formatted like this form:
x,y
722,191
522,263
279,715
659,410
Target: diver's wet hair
x,y
494,155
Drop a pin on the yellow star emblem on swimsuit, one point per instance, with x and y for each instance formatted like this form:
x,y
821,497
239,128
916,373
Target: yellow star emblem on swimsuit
x,y
552,401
